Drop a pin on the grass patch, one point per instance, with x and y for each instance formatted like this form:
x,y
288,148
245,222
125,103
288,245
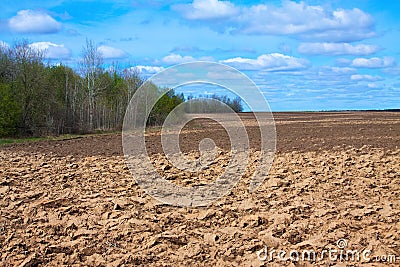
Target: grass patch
x,y
5,141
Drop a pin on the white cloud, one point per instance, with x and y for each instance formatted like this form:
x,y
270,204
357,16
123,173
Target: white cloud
x,y
207,58
268,62
109,52
374,62
337,49
328,72
360,77
373,85
309,22
148,69
177,59
343,70
207,9
173,58
30,21
51,50
300,19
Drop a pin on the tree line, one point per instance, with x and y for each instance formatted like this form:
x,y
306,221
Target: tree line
x,y
213,104
39,99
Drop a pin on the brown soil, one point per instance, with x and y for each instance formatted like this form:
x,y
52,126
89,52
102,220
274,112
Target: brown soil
x,y
295,132
335,175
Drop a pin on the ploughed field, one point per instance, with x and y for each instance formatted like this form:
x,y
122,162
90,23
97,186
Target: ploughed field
x,y
335,176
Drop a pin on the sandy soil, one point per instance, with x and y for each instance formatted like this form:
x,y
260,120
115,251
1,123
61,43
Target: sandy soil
x,y
335,176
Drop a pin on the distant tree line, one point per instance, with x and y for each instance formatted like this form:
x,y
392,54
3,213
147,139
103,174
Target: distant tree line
x,y
213,104
39,99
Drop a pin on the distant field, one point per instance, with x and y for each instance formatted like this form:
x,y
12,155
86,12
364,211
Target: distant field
x,y
296,131
336,175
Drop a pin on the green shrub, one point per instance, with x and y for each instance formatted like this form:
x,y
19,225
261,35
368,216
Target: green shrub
x,y
10,111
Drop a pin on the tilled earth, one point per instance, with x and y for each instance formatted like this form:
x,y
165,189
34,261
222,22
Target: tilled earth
x,y
334,184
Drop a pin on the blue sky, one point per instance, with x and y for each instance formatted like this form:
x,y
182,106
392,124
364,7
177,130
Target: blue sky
x,y
304,55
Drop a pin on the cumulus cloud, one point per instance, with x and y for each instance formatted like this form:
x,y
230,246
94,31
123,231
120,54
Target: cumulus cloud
x,y
51,50
374,62
366,77
109,52
337,49
206,9
31,21
343,70
268,62
149,69
299,19
308,22
177,59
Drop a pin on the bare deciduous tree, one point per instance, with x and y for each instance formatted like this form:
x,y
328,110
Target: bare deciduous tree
x,y
91,68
